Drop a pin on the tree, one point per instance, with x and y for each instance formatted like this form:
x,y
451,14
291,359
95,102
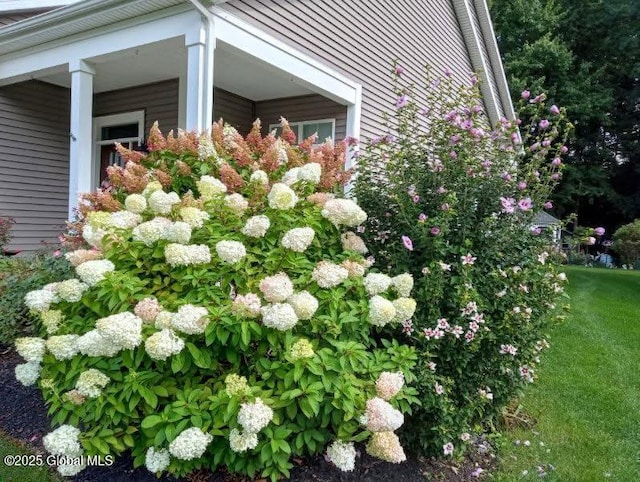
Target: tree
x,y
584,55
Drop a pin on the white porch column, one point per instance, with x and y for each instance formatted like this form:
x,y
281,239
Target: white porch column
x,y
354,114
200,45
81,136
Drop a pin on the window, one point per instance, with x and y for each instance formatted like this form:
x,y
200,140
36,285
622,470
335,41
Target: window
x,y
324,128
127,129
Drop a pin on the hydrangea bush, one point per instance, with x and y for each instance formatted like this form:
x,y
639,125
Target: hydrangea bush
x,y
222,314
452,201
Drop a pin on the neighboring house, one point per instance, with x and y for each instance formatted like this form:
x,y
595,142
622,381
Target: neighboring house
x,y
76,76
547,221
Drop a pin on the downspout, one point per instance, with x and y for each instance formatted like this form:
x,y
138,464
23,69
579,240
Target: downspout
x,y
209,50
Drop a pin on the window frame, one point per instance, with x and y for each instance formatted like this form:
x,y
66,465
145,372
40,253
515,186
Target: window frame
x,y
124,118
298,126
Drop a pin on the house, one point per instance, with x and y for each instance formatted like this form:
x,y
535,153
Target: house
x,y
76,76
546,221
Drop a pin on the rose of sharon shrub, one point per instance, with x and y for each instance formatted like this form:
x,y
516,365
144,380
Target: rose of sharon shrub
x,y
225,322
452,202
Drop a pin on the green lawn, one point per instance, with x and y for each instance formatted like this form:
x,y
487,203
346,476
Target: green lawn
x,y
21,474
586,402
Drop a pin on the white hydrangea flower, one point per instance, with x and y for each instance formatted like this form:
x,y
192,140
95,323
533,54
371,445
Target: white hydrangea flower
x,y
51,320
63,441
178,232
254,416
123,220
123,329
386,446
157,460
355,269
380,416
342,455
283,158
403,284
94,343
282,197
92,235
276,288
63,347
247,305
236,385
151,231
389,384
298,239
187,254
194,217
92,272
210,188
343,212
352,242
236,203
71,290
163,344
405,308
230,134
304,304
376,283
301,349
79,256
230,251
256,226
161,202
242,441
91,382
190,444
190,319
311,172
151,187
30,348
206,150
163,320
259,177
28,373
135,203
381,311
69,470
291,176
40,300
280,316
328,274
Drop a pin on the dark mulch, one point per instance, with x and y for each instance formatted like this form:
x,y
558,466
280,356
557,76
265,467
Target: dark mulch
x,y
23,417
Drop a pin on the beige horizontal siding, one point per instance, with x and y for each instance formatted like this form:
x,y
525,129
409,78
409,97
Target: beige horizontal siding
x,y
34,161
361,38
158,100
234,109
303,108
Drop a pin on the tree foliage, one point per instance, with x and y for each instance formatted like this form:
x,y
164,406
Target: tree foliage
x,y
585,56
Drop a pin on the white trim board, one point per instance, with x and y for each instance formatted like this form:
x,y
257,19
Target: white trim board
x,y
26,5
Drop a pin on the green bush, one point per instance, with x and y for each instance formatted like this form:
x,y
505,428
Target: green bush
x,y
18,276
452,202
222,319
626,242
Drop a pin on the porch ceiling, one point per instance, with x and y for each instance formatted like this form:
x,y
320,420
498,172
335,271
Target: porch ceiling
x,y
234,71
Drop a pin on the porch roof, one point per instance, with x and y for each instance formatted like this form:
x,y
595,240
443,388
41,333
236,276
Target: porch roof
x,y
71,21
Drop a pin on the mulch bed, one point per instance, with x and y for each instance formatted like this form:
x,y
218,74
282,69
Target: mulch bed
x,y
23,417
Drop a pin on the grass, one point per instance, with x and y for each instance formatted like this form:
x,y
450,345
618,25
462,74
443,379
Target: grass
x,y
586,402
22,474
